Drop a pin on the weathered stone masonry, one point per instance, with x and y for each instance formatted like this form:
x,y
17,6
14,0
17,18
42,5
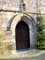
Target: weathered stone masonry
x,y
32,6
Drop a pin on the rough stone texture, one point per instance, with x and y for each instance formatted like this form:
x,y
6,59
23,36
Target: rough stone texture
x,y
5,17
31,6
9,4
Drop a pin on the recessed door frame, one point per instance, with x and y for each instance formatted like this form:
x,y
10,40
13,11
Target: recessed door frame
x,y
27,19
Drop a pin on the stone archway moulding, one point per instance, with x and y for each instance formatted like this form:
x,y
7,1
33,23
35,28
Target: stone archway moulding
x,y
18,18
27,19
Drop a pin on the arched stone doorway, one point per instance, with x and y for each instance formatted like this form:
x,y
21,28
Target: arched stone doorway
x,y
31,25
22,36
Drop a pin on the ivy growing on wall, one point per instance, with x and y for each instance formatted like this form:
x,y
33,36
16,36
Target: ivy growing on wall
x,y
41,32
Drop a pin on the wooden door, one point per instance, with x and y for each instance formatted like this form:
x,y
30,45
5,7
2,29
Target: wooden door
x,y
22,36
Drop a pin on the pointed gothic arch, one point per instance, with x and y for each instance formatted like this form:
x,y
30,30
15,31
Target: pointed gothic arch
x,y
29,21
22,36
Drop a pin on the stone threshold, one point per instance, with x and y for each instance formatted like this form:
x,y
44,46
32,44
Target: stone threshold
x,y
22,54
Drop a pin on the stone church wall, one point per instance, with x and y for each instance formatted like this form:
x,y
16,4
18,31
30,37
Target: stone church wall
x,y
5,17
